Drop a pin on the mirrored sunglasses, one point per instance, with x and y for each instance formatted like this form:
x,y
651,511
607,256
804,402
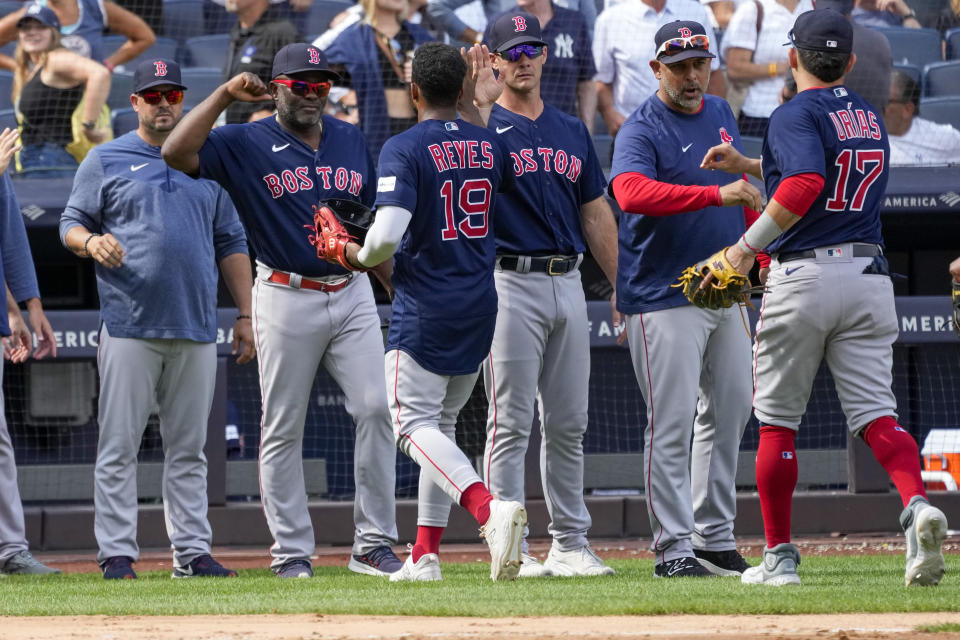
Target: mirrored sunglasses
x,y
302,88
513,54
676,45
173,96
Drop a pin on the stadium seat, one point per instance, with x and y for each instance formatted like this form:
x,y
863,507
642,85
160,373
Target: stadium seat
x,y
599,124
6,85
912,70
942,110
9,49
942,79
322,12
8,119
751,146
162,48
914,46
207,51
603,143
952,38
124,120
121,86
200,81
9,6
182,19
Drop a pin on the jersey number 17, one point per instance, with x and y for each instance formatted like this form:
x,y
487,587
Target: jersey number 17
x,y
869,164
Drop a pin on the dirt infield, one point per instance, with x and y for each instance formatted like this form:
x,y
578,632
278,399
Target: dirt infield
x,y
320,627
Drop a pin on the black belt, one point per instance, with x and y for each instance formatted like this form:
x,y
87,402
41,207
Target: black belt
x,y
860,250
550,265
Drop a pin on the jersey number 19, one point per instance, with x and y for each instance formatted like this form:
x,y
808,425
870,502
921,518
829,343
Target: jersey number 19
x,y
473,202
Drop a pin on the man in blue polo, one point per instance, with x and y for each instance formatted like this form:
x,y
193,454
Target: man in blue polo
x,y
157,237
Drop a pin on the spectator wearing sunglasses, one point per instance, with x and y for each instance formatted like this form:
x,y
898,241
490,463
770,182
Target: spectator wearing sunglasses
x,y
374,56
157,237
677,213
623,47
261,30
49,83
541,346
916,141
567,81
307,312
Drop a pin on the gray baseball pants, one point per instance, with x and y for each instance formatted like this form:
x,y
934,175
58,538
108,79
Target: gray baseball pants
x,y
13,536
693,368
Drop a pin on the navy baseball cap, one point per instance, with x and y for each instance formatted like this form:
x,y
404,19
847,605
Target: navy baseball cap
x,y
822,30
43,15
680,40
299,57
513,28
153,73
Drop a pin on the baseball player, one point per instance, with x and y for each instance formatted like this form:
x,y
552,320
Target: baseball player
x,y
685,213
157,237
16,271
825,164
541,346
305,312
437,185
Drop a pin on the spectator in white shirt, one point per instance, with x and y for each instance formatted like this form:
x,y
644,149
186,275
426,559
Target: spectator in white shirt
x,y
759,57
914,141
623,48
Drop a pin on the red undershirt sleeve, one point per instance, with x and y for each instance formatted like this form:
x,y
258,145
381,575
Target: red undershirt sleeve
x,y
636,193
798,192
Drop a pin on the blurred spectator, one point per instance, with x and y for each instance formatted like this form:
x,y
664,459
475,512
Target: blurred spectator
x,y
870,76
623,48
884,13
151,11
915,141
789,90
374,54
949,18
260,31
567,80
82,23
48,83
755,55
442,13
217,18
342,105
720,13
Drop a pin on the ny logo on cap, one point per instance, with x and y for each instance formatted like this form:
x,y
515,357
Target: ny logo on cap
x,y
685,32
726,137
160,68
832,44
314,56
519,23
33,10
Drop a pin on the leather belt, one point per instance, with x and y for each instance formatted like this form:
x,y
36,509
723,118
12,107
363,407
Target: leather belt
x,y
860,250
550,265
297,281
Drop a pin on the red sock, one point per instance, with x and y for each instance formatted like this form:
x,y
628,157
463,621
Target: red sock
x,y
476,499
428,541
776,480
897,451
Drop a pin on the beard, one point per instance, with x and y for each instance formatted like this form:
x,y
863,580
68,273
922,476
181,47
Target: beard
x,y
297,120
676,95
166,127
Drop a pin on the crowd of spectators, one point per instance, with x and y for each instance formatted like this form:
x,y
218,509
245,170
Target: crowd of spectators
x,y
595,62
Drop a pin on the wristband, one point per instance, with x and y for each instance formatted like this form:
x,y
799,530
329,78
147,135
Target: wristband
x,y
243,316
109,65
761,233
89,126
772,69
908,16
746,248
87,242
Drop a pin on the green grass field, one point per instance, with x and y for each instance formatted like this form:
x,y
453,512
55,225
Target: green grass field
x,y
831,585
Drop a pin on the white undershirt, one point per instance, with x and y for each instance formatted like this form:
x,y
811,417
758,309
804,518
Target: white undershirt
x,y
384,235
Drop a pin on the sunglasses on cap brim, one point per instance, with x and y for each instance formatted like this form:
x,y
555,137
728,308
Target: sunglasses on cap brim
x,y
302,88
676,45
513,54
173,96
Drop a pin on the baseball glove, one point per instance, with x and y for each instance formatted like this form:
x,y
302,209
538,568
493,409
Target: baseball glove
x,y
727,288
330,236
956,307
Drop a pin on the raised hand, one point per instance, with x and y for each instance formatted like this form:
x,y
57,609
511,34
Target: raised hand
x,y
741,193
247,87
9,145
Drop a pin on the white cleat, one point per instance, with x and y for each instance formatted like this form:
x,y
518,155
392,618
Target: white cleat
x,y
578,562
504,535
925,527
778,568
426,569
530,567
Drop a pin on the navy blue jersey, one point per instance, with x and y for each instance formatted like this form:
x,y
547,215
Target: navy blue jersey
x,y
837,134
668,145
569,56
274,178
556,171
445,305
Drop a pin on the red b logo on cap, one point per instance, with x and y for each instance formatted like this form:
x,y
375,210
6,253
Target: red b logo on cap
x,y
314,56
685,32
161,68
520,24
726,137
